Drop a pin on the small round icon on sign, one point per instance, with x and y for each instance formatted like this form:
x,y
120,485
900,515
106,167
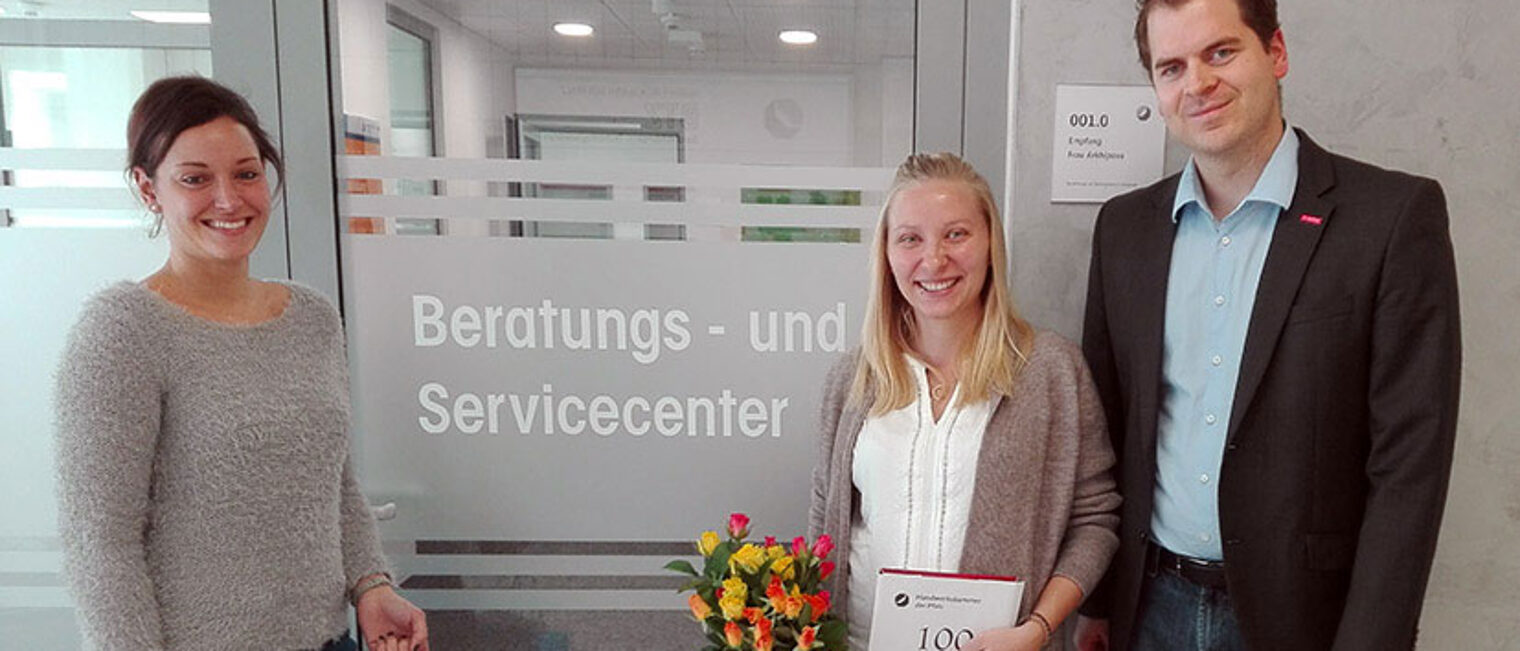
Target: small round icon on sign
x,y
901,600
1143,113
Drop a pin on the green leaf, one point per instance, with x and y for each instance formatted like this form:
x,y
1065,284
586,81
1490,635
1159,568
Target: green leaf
x,y
833,633
692,584
681,566
717,564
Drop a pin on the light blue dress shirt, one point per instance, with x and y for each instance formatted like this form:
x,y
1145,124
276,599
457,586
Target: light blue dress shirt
x,y
1216,266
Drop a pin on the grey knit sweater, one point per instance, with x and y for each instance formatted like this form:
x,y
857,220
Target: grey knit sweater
x,y
206,497
1044,502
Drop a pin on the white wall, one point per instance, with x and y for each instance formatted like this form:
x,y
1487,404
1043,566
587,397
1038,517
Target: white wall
x,y
728,118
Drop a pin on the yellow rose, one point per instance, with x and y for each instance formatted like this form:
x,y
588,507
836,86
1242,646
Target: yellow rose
x,y
707,543
735,588
749,558
733,606
774,552
784,568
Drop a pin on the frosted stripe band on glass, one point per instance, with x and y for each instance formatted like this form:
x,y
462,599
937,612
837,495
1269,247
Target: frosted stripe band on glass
x,y
62,159
68,198
53,597
619,173
31,561
546,599
539,565
587,210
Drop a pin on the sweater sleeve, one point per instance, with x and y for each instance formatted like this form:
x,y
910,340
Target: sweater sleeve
x,y
361,538
1090,540
108,407
362,555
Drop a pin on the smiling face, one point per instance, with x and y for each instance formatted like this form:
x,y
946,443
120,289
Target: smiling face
x,y
938,249
212,192
1216,82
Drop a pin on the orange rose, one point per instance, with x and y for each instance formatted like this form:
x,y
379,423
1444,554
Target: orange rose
x,y
754,616
734,633
807,638
699,607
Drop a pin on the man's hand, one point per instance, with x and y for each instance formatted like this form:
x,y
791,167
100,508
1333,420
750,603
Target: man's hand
x,y
390,623
1092,634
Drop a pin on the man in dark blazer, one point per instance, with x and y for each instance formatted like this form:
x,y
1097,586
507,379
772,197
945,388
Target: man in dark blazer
x,y
1274,332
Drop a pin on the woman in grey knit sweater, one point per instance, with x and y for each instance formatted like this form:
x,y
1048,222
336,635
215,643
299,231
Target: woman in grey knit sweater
x,y
206,494
959,439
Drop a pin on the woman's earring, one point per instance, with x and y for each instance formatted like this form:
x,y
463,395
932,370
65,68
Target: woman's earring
x,y
153,207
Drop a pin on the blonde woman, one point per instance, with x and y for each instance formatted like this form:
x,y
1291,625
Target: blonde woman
x,y
959,438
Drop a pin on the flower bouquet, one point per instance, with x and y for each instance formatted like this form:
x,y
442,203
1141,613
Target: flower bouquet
x,y
762,596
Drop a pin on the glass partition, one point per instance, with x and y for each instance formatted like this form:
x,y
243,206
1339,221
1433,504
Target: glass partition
x,y
68,227
652,245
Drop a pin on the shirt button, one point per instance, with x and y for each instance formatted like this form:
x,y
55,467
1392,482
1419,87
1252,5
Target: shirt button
x,y
1209,418
1203,479
1224,241
1205,537
1219,300
1217,360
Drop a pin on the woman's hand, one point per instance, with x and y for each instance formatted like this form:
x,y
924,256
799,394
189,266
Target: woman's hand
x,y
391,623
1024,637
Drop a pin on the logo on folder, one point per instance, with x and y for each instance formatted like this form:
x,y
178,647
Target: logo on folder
x,y
901,600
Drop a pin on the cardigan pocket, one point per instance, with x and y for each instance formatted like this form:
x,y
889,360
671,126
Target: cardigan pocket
x,y
1329,551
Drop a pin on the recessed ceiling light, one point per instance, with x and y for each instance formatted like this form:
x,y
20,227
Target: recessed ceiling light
x,y
177,17
573,29
798,37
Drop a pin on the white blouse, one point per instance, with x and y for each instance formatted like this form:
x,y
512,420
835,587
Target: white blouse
x,y
915,476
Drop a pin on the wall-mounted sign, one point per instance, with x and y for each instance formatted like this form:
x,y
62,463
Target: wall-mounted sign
x,y
1108,140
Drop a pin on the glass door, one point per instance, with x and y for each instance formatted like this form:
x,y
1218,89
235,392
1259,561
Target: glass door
x,y
69,73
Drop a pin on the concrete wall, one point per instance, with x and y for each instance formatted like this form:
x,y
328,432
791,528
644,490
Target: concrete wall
x,y
1419,86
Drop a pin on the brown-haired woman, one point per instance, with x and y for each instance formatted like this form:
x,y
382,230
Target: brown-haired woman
x,y
206,494
960,439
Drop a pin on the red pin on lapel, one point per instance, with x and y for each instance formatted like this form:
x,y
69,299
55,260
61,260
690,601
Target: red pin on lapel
x,y
1312,220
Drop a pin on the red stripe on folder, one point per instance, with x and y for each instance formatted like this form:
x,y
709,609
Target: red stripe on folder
x,y
949,575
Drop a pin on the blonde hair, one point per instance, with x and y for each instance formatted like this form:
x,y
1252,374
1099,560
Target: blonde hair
x,y
990,361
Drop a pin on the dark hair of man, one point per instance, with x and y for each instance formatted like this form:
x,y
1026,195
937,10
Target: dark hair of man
x,y
174,104
1259,15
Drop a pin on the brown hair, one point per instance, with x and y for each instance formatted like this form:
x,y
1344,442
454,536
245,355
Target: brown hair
x,y
991,360
174,104
1259,15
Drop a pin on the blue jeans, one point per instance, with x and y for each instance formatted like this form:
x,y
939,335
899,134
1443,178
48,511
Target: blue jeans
x,y
1176,614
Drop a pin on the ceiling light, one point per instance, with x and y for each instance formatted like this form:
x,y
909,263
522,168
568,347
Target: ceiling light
x,y
798,37
176,17
573,29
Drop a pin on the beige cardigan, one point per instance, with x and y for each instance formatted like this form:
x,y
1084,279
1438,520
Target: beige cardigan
x,y
1044,502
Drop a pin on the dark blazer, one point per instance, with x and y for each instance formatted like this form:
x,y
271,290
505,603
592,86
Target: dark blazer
x,y
1340,439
